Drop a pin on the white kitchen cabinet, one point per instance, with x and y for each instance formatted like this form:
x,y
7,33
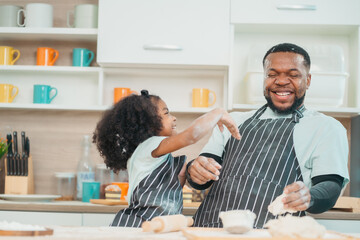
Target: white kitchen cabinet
x,y
312,12
97,219
258,24
42,218
194,33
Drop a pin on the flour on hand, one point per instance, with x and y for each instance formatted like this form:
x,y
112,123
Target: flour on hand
x,y
277,206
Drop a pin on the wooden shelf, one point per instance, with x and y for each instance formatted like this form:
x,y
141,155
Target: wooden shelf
x,y
35,68
59,34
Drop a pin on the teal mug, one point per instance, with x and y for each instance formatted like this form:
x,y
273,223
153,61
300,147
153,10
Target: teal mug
x,y
82,57
42,93
91,190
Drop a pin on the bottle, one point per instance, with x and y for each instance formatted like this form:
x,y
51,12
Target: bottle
x,y
85,168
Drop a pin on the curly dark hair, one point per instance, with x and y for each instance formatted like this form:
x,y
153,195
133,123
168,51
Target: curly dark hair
x,y
123,127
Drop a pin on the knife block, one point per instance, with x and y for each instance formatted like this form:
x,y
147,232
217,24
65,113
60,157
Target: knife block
x,y
20,184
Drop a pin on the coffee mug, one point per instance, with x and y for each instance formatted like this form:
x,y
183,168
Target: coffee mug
x,y
36,15
82,57
200,97
120,93
7,55
46,56
8,15
91,190
85,16
42,93
6,91
124,186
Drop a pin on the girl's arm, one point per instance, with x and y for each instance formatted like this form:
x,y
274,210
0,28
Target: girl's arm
x,y
198,129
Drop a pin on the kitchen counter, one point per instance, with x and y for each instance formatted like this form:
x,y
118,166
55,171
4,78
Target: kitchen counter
x,y
81,207
115,233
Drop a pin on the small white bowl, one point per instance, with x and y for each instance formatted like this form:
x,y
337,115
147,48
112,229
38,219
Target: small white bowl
x,y
238,221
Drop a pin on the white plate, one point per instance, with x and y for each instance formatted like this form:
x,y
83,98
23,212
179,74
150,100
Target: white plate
x,y
29,197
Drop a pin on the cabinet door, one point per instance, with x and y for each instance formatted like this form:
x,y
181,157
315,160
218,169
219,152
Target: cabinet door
x,y
185,32
296,11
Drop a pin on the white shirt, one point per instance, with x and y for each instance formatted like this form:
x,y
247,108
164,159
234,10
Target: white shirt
x,y
320,143
141,163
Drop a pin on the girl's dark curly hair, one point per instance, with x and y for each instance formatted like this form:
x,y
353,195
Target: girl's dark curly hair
x,y
123,127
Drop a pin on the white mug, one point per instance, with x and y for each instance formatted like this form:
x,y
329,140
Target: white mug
x,y
8,15
36,15
85,16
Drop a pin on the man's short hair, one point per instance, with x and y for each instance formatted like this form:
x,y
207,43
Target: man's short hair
x,y
289,47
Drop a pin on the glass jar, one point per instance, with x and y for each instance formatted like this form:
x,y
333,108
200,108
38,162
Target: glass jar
x,y
106,176
66,185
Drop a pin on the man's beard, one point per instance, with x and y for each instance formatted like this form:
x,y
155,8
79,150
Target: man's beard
x,y
297,103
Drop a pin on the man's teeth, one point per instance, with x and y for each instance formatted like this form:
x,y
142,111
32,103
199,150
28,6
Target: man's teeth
x,y
282,93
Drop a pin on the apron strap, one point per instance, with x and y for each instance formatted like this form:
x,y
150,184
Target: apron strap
x,y
298,113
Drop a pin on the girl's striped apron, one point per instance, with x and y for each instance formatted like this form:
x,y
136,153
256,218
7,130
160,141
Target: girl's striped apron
x,y
254,171
160,193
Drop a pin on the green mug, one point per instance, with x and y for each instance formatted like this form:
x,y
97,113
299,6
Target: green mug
x,y
91,190
42,93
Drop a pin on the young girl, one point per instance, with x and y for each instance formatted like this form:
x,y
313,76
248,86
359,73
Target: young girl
x,y
139,134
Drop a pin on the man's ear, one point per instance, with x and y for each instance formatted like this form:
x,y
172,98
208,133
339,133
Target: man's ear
x,y
308,81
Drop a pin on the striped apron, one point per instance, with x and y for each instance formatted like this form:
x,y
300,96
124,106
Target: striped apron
x,y
254,171
160,193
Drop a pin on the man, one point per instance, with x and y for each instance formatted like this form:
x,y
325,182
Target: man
x,y
284,148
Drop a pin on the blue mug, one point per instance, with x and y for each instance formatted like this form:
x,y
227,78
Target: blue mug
x,y
82,57
42,93
91,190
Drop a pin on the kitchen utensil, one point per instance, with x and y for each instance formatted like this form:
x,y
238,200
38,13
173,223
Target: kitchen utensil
x,y
36,15
9,155
46,56
27,154
7,54
23,155
66,186
16,157
109,202
167,223
47,231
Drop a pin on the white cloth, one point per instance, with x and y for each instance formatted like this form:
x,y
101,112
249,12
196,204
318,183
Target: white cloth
x,y
320,143
141,163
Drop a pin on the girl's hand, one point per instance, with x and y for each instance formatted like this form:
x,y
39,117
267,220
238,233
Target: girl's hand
x,y
230,124
182,177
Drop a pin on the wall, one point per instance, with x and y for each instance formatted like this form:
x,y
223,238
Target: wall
x,y
55,140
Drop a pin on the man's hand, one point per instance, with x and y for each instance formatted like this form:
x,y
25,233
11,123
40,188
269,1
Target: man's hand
x,y
297,196
204,169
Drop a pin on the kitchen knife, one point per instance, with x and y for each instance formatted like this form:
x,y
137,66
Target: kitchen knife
x,y
9,154
22,158
16,155
27,154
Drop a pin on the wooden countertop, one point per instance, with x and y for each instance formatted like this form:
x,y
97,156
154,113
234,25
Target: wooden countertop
x,y
80,207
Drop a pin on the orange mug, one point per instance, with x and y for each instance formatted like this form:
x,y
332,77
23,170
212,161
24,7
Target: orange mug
x,y
120,93
46,56
124,186
200,97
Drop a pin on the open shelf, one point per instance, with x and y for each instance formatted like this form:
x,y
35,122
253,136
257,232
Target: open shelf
x,y
68,34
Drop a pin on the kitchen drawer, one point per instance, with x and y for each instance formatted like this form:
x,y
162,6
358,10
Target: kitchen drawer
x,y
331,12
175,32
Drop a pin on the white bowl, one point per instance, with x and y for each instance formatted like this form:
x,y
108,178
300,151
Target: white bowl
x,y
238,221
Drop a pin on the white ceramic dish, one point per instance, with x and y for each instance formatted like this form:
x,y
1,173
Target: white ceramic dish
x,y
238,221
29,197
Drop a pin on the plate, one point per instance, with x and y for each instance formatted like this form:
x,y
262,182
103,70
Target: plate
x,y
29,197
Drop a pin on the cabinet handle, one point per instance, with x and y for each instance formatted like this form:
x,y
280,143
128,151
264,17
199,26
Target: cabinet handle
x,y
296,7
162,47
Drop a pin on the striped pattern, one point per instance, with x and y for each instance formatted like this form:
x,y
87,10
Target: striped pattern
x,y
255,170
160,193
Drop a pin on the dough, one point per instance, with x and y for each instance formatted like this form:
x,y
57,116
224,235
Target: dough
x,y
277,206
295,227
